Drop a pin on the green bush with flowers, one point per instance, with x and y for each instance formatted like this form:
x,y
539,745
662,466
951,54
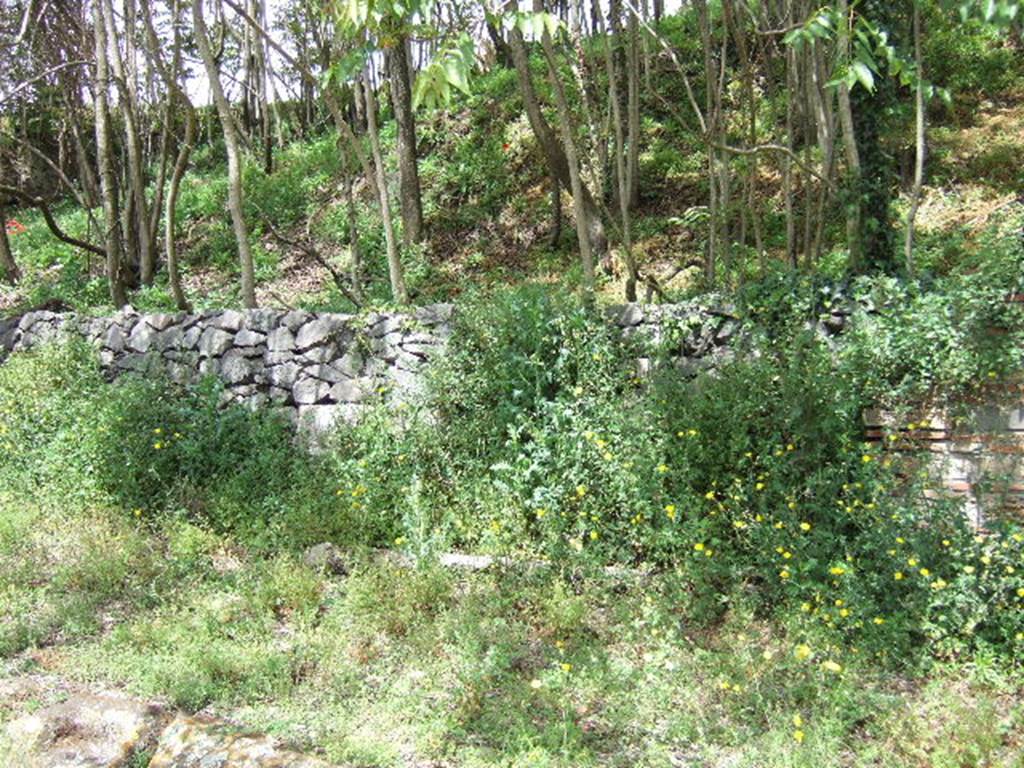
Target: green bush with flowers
x,y
751,485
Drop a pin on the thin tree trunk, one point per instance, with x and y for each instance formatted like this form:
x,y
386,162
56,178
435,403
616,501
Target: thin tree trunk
x,y
553,152
621,174
711,138
919,138
263,70
176,96
105,159
135,167
576,183
408,171
355,253
853,166
633,114
395,273
8,266
235,160
556,211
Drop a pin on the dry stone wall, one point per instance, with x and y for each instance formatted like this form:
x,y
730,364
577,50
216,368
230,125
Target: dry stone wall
x,y
319,368
325,368
322,368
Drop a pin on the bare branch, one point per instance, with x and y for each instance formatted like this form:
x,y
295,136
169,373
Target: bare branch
x,y
44,208
52,70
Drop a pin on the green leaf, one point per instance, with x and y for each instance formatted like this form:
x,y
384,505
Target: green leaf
x,y
863,74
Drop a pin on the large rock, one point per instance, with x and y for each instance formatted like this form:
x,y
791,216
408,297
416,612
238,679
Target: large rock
x,y
310,391
142,337
325,558
281,340
193,743
315,332
83,731
215,342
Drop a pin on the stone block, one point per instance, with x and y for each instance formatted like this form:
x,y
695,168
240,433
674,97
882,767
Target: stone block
x,y
351,391
114,339
161,321
351,364
434,314
215,342
295,319
235,368
281,340
84,731
249,338
309,391
316,332
228,320
193,743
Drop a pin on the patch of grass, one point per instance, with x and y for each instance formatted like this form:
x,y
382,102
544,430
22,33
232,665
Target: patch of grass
x,y
394,665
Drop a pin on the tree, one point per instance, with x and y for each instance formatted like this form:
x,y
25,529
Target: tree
x,y
105,160
399,68
232,144
384,27
9,271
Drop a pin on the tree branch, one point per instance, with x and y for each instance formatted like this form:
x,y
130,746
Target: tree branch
x,y
775,148
311,251
52,70
44,208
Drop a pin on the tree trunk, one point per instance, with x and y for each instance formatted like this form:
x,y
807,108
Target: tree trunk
x,y
9,271
633,114
176,96
135,168
501,52
408,171
919,141
556,212
395,272
235,159
576,183
712,111
853,165
355,254
553,152
621,173
105,159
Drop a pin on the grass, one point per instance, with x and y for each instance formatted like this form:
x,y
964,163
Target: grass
x,y
391,665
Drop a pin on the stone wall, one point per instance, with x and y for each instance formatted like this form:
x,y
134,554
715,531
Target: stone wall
x,y
325,367
318,367
322,368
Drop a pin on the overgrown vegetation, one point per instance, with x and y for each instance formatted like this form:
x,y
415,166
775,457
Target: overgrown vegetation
x,y
719,569
785,585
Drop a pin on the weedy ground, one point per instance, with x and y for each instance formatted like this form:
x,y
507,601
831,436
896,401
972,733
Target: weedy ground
x,y
400,666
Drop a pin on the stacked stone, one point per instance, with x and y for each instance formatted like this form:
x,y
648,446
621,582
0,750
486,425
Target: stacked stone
x,y
694,335
318,367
